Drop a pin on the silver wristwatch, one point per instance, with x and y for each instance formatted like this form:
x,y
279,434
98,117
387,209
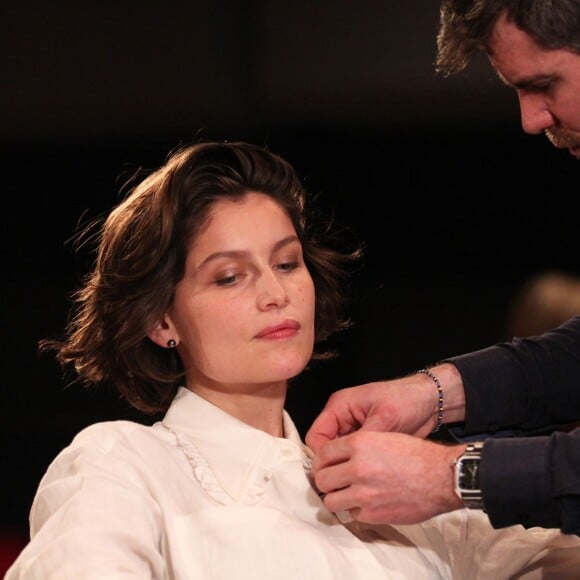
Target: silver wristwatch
x,y
466,471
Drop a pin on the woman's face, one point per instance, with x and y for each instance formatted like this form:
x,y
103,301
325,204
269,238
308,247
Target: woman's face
x,y
243,313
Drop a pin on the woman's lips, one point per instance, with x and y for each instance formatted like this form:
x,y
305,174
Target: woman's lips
x,y
281,330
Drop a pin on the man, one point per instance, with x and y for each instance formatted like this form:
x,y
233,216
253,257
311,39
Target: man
x,y
372,457
533,47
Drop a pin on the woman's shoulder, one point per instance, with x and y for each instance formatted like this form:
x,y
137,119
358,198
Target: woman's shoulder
x,y
110,430
120,439
111,446
108,435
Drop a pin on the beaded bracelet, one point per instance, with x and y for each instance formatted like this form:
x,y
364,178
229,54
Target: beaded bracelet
x,y
440,391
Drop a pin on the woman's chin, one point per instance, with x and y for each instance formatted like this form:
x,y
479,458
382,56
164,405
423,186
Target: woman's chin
x,y
286,369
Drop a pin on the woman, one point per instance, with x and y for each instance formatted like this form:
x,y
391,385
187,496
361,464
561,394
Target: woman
x,y
208,295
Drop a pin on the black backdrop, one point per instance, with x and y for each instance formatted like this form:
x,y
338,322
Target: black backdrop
x,y
454,223
456,205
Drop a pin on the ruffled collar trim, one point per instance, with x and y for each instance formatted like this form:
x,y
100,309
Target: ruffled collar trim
x,y
232,461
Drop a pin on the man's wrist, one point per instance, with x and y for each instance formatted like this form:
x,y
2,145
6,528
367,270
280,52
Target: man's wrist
x,y
453,391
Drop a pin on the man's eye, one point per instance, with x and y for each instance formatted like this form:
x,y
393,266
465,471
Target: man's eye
x,y
540,87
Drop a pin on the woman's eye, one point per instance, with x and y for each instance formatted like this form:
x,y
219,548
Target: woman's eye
x,y
228,280
288,266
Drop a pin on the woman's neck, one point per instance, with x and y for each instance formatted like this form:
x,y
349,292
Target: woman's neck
x,y
261,407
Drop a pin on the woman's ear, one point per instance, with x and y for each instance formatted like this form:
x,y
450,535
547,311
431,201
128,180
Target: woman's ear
x,y
164,334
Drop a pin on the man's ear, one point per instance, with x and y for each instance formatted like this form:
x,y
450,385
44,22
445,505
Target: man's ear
x,y
163,332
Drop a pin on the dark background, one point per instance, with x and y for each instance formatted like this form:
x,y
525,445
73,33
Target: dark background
x,y
457,206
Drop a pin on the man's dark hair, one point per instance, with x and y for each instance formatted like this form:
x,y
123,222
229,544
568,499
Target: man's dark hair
x,y
465,27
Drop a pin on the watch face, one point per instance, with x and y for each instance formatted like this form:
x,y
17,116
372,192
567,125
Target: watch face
x,y
468,474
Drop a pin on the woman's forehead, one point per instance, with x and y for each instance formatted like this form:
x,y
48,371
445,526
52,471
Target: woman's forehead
x,y
254,221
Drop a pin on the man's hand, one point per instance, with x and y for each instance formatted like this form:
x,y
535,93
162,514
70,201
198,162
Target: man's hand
x,y
388,478
406,405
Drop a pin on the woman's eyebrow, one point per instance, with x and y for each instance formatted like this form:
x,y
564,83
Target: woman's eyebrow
x,y
245,253
285,241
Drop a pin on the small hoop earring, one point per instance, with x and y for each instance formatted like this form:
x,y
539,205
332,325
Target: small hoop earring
x,y
171,343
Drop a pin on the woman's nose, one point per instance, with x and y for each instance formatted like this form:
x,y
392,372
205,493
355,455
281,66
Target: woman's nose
x,y
535,114
271,292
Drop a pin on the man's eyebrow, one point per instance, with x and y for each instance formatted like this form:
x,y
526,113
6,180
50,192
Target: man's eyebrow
x,y
244,253
529,82
535,81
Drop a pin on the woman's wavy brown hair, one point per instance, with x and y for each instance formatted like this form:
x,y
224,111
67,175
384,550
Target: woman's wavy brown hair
x,y
142,247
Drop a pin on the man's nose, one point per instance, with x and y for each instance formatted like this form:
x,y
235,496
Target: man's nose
x,y
536,117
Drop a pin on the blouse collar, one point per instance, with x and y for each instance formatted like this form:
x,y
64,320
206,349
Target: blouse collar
x,y
232,460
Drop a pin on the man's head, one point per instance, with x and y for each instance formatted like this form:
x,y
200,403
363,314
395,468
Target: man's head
x,y
534,47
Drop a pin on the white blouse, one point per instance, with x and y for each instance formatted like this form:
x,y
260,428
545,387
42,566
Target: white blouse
x,y
202,495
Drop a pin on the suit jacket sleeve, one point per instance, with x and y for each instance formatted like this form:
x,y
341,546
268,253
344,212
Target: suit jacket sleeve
x,y
528,384
526,387
533,481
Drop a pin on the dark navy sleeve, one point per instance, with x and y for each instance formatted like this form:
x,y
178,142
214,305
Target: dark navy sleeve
x,y
528,384
527,391
533,481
